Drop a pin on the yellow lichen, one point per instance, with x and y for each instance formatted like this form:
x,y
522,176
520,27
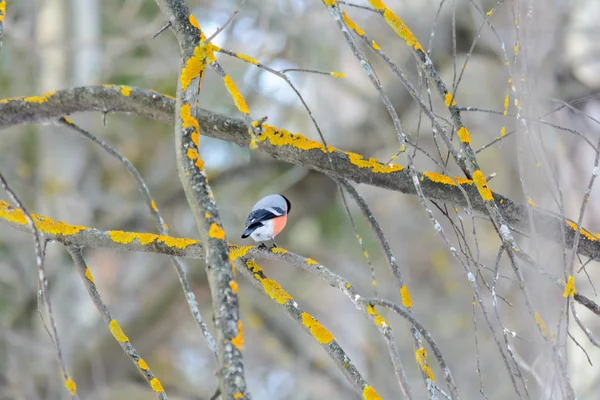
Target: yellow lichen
x,y
396,24
370,394
319,332
142,364
310,261
238,395
180,243
88,275
238,340
352,25
128,237
216,232
236,252
117,332
439,178
234,286
281,137
193,67
448,100
2,10
373,164
482,187
238,99
69,383
188,120
531,202
247,58
541,323
379,320
463,135
274,290
405,295
156,385
421,358
194,21
42,223
125,90
337,74
153,205
570,287
278,250
583,232
38,99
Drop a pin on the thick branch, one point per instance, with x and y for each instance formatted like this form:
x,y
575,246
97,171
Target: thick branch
x,y
287,147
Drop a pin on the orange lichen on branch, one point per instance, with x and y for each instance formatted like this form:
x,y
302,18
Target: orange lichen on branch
x,y
128,237
278,250
482,186
236,252
352,25
583,232
374,165
247,58
156,385
280,137
142,364
216,232
237,97
188,120
570,287
117,332
445,179
234,286
318,331
421,358
238,340
42,223
405,295
310,261
30,99
271,287
195,65
238,395
340,75
194,21
370,394
379,320
70,384
541,323
448,100
2,10
531,202
463,135
88,275
397,25
126,91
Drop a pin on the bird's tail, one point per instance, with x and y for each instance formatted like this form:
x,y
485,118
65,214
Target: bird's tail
x,y
249,231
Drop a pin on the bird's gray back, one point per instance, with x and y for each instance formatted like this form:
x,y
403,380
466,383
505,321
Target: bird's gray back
x,y
271,201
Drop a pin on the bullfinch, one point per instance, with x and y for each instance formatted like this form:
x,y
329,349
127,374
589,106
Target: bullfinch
x,y
267,218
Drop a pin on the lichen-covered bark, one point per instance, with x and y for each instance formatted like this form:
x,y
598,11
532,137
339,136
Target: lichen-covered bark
x,y
201,200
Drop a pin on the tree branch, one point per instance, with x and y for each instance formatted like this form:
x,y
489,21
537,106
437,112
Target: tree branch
x,y
195,54
292,148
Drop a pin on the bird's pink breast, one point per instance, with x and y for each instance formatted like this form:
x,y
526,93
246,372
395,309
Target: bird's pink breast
x,y
279,224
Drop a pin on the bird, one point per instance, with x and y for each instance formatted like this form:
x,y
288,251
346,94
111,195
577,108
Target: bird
x,y
267,218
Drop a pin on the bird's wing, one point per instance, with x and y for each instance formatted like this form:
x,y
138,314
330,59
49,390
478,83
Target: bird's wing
x,y
257,216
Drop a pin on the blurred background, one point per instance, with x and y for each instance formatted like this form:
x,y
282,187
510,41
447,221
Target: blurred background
x,y
57,44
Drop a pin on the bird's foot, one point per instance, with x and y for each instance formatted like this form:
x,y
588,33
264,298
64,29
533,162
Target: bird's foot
x,y
274,245
262,246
